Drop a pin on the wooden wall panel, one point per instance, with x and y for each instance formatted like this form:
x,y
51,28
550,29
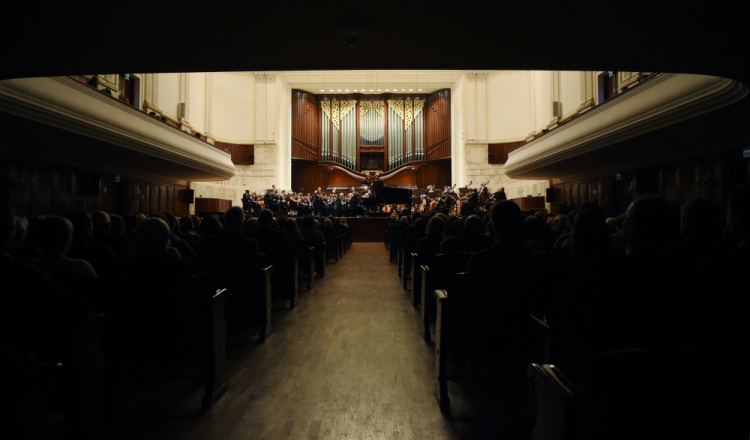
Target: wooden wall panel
x,y
710,177
20,189
497,154
307,176
44,188
242,154
63,191
153,198
437,125
436,173
306,132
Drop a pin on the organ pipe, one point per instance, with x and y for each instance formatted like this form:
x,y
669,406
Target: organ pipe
x,y
410,128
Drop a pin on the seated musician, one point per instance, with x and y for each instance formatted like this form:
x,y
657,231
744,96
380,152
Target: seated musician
x,y
500,195
255,198
305,205
269,200
284,201
472,203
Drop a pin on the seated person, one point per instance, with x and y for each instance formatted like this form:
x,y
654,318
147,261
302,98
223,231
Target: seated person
x,y
56,236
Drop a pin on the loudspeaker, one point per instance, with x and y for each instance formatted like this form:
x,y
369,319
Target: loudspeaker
x,y
182,108
189,196
556,109
550,195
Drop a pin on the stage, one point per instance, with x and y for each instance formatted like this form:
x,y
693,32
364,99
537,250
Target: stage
x,y
367,229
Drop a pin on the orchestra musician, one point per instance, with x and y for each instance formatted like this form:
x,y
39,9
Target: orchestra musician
x,y
471,204
293,203
500,195
305,205
339,204
422,204
250,201
246,201
269,200
318,203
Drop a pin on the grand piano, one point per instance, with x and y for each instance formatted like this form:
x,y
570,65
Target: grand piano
x,y
388,195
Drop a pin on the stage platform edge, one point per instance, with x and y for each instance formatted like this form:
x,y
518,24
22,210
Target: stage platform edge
x,y
367,229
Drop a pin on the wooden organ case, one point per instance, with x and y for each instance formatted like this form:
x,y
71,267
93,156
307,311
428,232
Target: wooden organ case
x,y
354,139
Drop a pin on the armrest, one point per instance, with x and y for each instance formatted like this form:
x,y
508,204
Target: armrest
x,y
220,293
539,322
553,378
216,386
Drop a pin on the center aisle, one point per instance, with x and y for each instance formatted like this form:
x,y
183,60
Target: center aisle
x,y
347,362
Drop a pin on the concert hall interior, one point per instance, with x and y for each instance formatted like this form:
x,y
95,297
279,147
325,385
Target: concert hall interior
x,y
182,107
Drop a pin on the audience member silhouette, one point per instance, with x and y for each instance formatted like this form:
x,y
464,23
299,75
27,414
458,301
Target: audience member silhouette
x,y
429,246
103,259
56,237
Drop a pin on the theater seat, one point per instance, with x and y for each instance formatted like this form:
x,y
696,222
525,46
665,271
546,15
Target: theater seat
x,y
645,393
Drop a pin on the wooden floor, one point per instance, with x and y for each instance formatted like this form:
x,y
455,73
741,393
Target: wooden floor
x,y
348,362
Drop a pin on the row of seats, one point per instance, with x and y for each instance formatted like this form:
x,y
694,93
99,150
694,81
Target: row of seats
x,y
611,334
146,316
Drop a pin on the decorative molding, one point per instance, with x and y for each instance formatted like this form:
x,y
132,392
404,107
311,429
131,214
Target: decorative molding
x,y
408,113
151,106
185,126
586,105
495,141
662,101
335,168
265,76
397,106
476,74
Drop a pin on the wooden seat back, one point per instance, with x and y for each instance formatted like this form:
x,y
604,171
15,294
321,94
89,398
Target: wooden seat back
x,y
674,393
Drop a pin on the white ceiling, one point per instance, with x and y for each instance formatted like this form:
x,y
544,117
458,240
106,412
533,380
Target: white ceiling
x,y
372,81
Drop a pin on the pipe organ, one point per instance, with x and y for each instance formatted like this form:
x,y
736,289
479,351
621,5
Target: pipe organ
x,y
383,132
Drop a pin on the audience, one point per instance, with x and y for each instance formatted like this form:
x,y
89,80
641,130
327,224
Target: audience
x,y
655,276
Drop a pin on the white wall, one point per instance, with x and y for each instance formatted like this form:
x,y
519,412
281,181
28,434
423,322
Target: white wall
x,y
458,137
168,93
196,101
571,91
501,106
232,104
542,97
509,105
